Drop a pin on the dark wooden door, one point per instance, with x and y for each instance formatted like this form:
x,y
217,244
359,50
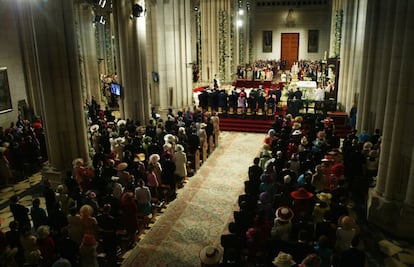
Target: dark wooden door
x,y
289,48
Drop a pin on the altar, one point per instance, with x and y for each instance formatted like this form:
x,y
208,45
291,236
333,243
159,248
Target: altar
x,y
308,89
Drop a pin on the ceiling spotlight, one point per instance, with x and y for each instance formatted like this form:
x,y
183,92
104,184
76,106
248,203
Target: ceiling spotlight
x,y
239,23
241,11
99,19
102,3
137,10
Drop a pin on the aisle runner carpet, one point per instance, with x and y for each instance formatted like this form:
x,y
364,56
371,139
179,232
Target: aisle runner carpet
x,y
203,209
258,125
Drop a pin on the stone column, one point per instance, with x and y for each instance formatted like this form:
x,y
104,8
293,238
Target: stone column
x,y
171,53
406,220
382,53
58,70
130,41
368,95
391,203
351,55
85,30
395,109
409,198
210,12
27,35
346,56
385,23
336,5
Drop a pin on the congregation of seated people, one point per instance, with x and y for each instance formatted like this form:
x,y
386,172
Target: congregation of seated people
x,y
95,215
295,210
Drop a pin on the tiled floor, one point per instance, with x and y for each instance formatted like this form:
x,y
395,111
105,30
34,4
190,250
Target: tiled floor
x,y
26,190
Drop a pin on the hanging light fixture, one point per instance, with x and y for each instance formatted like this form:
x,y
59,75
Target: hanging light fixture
x,y
102,3
137,10
99,19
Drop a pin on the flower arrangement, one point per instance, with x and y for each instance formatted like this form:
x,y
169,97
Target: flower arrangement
x,y
222,43
198,36
338,31
232,41
250,40
241,45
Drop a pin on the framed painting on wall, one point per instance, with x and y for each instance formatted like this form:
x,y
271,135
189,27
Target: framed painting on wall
x,y
313,41
5,98
267,41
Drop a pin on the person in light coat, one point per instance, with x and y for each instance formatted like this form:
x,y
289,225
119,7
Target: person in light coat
x,y
180,164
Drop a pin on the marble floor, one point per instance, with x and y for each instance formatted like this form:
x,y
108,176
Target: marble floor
x,y
27,190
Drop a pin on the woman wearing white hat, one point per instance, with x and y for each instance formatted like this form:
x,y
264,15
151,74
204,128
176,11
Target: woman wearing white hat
x,y
282,225
122,173
210,256
283,260
180,163
118,148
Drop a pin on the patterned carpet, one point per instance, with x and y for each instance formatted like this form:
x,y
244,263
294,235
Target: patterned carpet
x,y
202,210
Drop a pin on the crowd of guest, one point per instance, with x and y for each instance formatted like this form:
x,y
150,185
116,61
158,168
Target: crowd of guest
x,y
105,201
22,150
295,210
264,70
295,201
265,100
308,70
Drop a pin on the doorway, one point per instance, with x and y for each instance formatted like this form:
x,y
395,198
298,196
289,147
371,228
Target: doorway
x,y
289,48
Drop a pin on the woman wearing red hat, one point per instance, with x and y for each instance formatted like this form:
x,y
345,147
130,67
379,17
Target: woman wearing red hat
x,y
302,204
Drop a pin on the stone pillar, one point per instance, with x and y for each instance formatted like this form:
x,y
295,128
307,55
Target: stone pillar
x,y
385,23
409,198
368,95
85,30
336,5
346,44
26,32
171,54
391,203
130,41
58,71
406,221
351,53
210,12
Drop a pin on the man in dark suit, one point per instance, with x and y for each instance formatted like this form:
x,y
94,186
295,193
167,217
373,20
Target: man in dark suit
x,y
302,247
255,171
193,141
353,256
20,212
